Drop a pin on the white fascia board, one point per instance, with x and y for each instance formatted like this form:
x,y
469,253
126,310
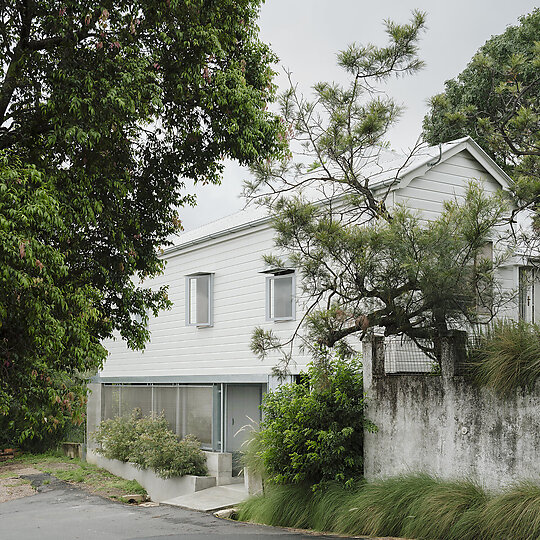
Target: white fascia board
x,y
416,170
428,164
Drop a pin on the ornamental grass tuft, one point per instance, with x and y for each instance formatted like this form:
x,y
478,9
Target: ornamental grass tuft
x,y
514,514
507,357
412,506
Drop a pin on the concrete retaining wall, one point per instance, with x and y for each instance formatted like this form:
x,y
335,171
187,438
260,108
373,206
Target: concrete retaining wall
x,y
443,425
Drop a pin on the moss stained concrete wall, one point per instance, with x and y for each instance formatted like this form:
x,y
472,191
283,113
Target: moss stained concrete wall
x,y
444,425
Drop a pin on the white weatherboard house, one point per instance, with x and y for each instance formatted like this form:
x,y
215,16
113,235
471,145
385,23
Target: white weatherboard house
x,y
198,367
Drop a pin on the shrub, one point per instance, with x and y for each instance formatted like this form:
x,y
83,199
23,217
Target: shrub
x,y
312,432
507,357
116,436
150,444
156,447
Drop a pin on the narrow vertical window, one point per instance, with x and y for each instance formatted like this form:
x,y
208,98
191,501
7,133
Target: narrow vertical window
x,y
280,297
199,299
529,294
524,294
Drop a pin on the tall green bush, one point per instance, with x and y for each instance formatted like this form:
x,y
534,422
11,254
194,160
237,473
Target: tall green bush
x,y
312,432
150,444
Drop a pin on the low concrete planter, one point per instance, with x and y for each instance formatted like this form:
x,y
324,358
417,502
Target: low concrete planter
x,y
159,489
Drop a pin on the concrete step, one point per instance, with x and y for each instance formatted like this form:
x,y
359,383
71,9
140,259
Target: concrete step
x,y
211,499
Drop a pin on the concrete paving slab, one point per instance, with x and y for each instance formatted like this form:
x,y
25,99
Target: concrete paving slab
x,y
211,499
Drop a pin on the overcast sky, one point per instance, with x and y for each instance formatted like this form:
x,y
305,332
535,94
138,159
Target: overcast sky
x,y
307,34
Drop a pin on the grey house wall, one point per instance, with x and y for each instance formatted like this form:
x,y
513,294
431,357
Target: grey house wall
x,y
443,425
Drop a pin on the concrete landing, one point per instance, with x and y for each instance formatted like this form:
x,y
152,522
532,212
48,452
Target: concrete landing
x,y
211,499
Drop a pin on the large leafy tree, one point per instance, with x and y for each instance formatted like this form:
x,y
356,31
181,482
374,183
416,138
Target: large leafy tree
x,y
45,345
365,263
496,100
105,107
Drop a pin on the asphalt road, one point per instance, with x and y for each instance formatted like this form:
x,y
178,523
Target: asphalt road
x,y
60,511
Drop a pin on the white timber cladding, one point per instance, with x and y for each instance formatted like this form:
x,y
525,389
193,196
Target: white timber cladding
x,y
239,305
239,289
445,181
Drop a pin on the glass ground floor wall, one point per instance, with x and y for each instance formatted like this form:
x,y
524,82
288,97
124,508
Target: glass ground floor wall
x,y
189,409
220,415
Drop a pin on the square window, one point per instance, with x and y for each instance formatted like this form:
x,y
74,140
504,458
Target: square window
x,y
199,300
280,297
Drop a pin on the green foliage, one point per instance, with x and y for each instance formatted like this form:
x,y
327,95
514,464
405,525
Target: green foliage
x,y
312,432
150,444
410,277
341,127
363,263
280,506
507,356
116,436
446,510
46,343
413,506
48,456
252,453
496,101
99,480
514,514
156,447
93,476
104,108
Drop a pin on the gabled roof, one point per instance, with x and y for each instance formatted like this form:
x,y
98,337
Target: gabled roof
x,y
393,171
401,171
